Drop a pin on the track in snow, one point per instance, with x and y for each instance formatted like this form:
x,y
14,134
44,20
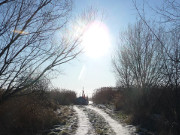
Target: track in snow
x,y
117,127
84,126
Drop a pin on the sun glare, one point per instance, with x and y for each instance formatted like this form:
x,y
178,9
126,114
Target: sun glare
x,y
96,40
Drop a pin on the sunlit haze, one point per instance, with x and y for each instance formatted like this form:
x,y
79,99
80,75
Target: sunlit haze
x,y
93,68
96,39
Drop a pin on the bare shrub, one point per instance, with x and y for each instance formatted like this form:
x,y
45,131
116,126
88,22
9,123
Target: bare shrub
x,y
103,95
153,108
63,97
26,114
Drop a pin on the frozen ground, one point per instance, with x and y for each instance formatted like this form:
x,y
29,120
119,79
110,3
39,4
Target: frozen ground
x,y
84,126
117,127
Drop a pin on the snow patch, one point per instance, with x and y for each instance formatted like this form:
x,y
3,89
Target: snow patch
x,y
117,127
84,126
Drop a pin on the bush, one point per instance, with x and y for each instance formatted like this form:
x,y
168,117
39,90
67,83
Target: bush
x,y
156,109
26,114
104,95
63,97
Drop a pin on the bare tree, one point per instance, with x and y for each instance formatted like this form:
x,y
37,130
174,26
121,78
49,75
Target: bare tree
x,y
171,69
121,68
138,59
28,48
169,14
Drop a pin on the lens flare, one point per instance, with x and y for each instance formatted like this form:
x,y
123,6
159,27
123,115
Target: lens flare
x,y
96,39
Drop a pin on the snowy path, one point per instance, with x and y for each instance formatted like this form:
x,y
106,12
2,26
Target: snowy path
x,y
84,127
117,127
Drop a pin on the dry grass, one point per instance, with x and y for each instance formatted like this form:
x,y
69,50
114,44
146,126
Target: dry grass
x,y
26,115
63,97
156,109
104,95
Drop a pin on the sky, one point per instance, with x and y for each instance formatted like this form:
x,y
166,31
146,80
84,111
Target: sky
x,y
88,72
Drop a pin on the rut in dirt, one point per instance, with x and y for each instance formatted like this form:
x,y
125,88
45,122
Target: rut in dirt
x,y
84,126
116,126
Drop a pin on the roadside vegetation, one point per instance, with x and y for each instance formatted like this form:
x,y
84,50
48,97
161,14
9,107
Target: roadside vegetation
x,y
148,79
29,53
63,97
154,110
104,95
146,64
35,112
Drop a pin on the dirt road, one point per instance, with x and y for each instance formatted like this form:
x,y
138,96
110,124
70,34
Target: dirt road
x,y
84,126
94,121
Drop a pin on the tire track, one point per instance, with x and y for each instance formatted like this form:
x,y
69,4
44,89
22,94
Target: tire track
x,y
117,127
99,124
84,126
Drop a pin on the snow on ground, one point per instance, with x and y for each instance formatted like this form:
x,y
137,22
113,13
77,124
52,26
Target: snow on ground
x,y
117,127
90,102
84,126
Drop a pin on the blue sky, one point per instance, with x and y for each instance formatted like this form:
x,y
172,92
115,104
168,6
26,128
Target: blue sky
x,y
93,73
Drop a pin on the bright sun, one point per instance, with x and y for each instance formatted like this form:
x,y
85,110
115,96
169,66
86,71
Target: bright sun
x,y
96,40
